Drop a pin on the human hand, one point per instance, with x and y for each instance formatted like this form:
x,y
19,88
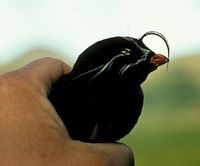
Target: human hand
x,y
32,133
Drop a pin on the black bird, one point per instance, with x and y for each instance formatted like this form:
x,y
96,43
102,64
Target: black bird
x,y
100,100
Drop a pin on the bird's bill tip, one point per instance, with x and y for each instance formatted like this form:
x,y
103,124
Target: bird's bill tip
x,y
159,59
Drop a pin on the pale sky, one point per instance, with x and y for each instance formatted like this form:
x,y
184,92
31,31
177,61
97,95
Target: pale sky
x,y
70,26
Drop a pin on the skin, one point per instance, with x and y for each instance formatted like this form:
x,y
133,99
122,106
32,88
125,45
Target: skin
x,y
31,131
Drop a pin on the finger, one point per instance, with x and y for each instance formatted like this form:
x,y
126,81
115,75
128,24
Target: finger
x,y
44,72
122,154
119,154
116,154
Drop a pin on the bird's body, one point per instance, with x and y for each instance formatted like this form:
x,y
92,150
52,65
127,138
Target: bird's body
x,y
100,100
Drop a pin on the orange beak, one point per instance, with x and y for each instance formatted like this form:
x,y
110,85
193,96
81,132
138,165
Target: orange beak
x,y
159,59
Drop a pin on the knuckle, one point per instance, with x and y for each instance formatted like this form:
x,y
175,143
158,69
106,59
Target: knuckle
x,y
13,82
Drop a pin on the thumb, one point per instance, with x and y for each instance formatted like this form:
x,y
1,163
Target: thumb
x,y
44,72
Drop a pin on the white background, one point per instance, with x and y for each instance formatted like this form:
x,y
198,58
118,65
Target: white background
x,y
70,26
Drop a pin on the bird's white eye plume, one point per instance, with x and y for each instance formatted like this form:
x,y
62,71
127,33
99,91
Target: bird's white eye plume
x,y
160,35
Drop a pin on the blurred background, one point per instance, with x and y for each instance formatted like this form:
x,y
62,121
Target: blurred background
x,y
168,132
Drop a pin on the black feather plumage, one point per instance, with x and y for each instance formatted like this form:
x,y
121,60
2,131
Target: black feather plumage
x,y
100,100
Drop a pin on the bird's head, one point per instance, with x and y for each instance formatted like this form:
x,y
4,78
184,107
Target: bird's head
x,y
143,59
130,57
145,54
